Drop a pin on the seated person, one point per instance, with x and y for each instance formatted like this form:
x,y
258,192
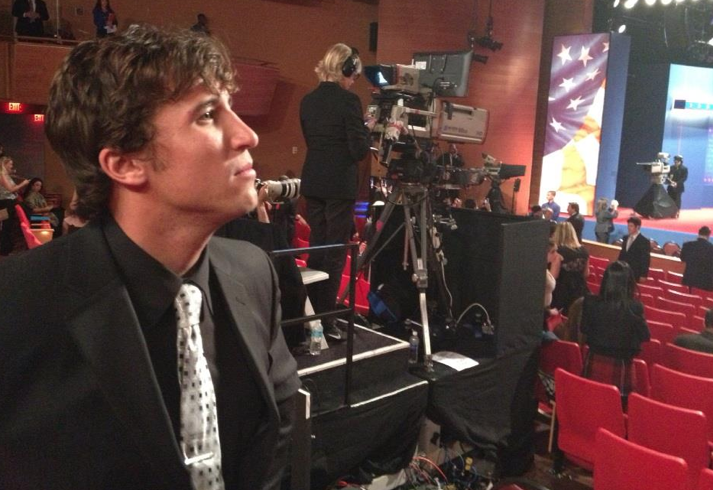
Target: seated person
x,y
72,222
701,342
35,203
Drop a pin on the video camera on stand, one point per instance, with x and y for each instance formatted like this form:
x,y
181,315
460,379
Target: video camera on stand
x,y
410,117
659,168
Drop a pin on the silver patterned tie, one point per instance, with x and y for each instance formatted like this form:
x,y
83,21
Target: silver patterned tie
x,y
200,442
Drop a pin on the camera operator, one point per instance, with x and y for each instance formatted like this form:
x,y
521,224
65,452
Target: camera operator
x,y
337,138
676,180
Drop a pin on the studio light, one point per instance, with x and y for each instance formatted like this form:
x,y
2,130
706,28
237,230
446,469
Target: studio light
x,y
650,2
621,29
630,4
616,3
666,2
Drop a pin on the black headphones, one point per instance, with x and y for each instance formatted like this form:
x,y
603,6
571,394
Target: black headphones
x,y
350,64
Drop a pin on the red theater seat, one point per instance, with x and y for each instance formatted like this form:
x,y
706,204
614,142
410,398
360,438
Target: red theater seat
x,y
672,430
690,299
661,331
674,306
624,465
705,480
684,390
651,352
584,406
688,361
657,274
674,277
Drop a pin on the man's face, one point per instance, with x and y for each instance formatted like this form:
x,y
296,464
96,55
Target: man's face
x,y
199,164
550,196
633,229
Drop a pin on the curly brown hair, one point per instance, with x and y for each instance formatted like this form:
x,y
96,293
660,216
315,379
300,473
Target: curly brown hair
x,y
108,91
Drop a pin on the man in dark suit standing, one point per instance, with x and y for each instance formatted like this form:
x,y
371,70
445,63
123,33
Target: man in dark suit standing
x,y
676,181
636,249
140,352
576,219
698,257
31,16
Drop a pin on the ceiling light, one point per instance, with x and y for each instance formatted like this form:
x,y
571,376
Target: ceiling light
x,y
616,3
650,2
630,3
665,2
621,29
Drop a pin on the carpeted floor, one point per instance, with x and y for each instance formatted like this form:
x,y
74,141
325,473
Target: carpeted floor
x,y
689,221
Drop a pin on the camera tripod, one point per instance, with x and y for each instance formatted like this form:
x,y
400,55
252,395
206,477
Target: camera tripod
x,y
416,203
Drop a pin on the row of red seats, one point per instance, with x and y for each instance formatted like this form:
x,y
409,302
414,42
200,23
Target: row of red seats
x,y
676,420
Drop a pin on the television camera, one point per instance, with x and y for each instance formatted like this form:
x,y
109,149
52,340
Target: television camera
x,y
410,117
659,168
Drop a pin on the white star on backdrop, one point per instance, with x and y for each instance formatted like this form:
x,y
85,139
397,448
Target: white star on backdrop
x,y
564,54
592,74
567,83
606,47
556,124
574,103
584,57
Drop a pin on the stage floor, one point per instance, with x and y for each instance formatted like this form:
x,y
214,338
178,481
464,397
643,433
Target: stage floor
x,y
680,230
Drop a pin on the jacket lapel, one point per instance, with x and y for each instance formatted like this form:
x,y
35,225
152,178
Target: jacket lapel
x,y
106,329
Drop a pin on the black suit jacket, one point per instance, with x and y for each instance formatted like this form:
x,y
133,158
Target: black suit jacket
x,y
577,221
698,256
80,406
679,175
638,256
28,27
333,128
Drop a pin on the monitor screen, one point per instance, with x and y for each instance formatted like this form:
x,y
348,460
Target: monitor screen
x,y
445,72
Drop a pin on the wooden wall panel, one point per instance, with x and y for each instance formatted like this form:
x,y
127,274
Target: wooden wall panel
x,y
506,85
33,67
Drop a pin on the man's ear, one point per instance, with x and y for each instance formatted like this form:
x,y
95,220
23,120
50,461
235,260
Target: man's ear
x,y
123,168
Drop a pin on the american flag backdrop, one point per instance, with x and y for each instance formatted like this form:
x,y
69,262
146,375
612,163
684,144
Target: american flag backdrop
x,y
574,116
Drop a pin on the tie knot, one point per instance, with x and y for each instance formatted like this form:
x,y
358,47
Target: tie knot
x,y
188,305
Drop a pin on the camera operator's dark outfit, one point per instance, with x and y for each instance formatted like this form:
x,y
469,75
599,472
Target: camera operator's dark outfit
x,y
679,174
337,139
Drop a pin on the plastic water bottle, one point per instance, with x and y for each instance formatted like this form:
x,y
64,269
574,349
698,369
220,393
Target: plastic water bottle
x,y
315,339
413,343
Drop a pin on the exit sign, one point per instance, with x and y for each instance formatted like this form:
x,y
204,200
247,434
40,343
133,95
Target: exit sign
x,y
14,107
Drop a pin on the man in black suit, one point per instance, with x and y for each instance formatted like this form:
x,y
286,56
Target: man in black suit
x,y
90,393
676,180
636,249
337,140
31,16
701,342
576,219
698,257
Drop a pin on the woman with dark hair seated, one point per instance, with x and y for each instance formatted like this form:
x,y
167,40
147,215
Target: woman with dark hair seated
x,y
35,203
614,327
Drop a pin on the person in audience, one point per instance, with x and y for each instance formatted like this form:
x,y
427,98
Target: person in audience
x,y
575,219
31,16
551,205
636,249
36,203
605,215
201,25
337,138
535,211
8,198
614,327
572,280
554,261
698,257
120,326
104,18
72,222
701,342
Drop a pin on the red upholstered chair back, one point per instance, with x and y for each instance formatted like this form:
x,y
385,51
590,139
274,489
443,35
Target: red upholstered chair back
x,y
21,215
30,239
673,286
643,383
672,430
683,390
705,480
654,291
664,332
674,318
598,261
584,406
657,274
690,299
651,352
674,306
624,465
676,277
558,354
302,230
647,299
688,361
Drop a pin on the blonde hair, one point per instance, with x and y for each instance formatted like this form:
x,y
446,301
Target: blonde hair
x,y
565,236
3,162
602,204
329,68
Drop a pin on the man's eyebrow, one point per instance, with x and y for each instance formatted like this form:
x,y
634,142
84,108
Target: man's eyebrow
x,y
206,104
